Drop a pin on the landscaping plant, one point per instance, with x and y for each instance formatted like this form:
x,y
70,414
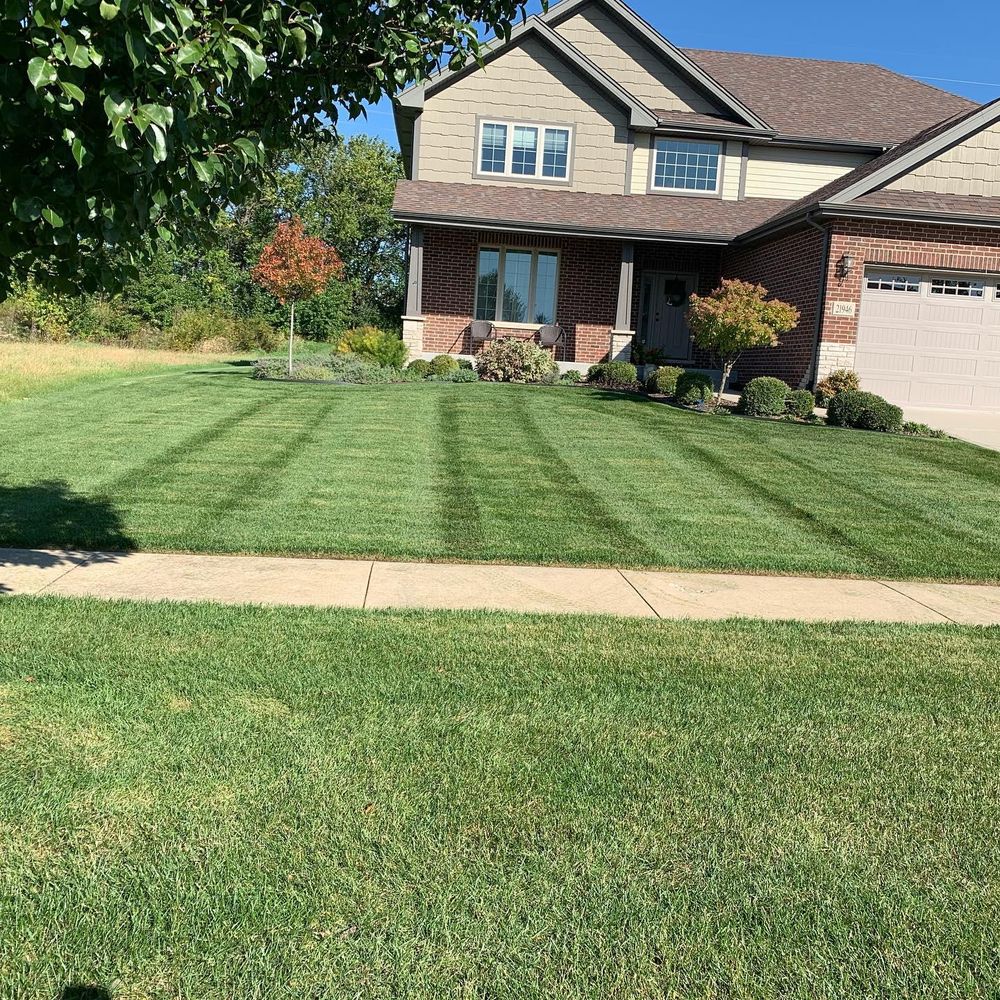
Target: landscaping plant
x,y
737,317
381,346
840,380
764,397
444,364
693,388
295,267
512,360
865,411
614,375
799,403
664,380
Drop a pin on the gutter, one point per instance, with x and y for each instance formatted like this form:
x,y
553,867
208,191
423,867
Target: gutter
x,y
809,381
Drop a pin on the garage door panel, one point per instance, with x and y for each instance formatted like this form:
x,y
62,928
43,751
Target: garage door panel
x,y
944,364
913,348
882,308
934,339
940,393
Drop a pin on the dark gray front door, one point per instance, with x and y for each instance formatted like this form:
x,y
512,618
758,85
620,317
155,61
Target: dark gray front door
x,y
664,301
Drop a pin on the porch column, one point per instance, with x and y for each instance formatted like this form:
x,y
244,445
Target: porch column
x,y
621,335
413,317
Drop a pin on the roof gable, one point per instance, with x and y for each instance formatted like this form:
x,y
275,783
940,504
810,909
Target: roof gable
x,y
535,28
699,92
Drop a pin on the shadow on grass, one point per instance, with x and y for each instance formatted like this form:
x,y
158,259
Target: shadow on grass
x,y
50,515
82,991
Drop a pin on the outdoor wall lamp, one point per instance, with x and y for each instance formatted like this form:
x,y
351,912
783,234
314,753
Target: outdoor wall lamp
x,y
846,265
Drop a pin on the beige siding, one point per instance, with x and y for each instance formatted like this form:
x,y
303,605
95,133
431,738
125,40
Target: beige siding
x,y
731,171
641,166
776,172
971,168
644,75
526,83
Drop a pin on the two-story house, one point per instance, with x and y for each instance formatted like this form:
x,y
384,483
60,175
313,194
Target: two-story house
x,y
591,175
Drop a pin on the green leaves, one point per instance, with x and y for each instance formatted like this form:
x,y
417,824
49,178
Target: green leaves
x,y
109,11
41,73
256,63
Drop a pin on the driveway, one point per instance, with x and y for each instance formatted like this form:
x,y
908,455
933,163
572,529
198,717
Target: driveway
x,y
981,427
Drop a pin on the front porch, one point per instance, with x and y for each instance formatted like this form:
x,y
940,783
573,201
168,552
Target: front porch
x,y
601,292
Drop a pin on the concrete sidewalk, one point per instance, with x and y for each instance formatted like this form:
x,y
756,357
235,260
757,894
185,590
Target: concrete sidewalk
x,y
366,584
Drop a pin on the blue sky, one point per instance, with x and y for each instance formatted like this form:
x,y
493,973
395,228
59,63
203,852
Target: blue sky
x,y
914,38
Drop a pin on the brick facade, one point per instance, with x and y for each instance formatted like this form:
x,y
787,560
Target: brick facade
x,y
788,266
587,295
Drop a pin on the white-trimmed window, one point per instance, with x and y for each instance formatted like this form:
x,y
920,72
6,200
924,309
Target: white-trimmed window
x,y
685,165
524,149
516,285
955,286
893,282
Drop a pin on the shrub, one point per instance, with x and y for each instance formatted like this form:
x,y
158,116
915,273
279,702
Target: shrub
x,y
420,367
458,375
866,411
444,364
841,380
693,387
799,403
664,380
614,375
513,360
32,313
103,321
383,347
253,333
216,345
189,327
571,377
764,397
466,364
914,429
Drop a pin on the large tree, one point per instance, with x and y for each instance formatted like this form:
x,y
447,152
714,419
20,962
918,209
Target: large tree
x,y
119,118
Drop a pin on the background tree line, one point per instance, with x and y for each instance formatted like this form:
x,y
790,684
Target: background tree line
x,y
198,291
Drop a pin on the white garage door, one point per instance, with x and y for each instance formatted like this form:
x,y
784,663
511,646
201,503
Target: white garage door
x,y
930,339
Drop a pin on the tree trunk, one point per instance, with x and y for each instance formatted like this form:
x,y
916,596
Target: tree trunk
x,y
727,370
291,337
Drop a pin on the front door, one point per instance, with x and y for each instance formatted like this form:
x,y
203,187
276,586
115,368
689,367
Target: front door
x,y
663,324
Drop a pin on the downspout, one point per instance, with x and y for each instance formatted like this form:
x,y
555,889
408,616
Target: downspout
x,y
810,376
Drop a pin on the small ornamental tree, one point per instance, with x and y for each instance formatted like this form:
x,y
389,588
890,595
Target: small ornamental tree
x,y
294,267
735,318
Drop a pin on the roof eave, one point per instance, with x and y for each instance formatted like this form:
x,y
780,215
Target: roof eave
x,y
556,229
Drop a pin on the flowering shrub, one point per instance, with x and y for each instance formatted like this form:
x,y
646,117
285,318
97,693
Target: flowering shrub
x,y
512,360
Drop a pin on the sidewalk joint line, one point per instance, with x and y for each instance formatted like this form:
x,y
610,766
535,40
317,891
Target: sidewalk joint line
x,y
368,585
62,576
642,596
910,597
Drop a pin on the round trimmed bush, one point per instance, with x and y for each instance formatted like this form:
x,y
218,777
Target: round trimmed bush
x,y
444,364
510,359
694,387
664,380
841,380
571,377
799,403
866,411
614,375
420,367
764,397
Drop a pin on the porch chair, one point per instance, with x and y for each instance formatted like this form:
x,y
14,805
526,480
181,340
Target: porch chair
x,y
481,330
551,335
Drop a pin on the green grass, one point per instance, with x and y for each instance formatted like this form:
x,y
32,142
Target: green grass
x,y
209,460
209,803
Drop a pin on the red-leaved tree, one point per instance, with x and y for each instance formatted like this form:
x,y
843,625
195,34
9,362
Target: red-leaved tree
x,y
294,267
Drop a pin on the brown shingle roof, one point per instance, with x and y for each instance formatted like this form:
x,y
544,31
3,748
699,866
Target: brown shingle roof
x,y
933,204
818,98
650,216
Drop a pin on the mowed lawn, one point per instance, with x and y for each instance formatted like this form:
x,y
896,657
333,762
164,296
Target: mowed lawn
x,y
210,460
208,802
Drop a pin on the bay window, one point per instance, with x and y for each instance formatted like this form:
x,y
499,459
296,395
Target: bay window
x,y
520,149
516,286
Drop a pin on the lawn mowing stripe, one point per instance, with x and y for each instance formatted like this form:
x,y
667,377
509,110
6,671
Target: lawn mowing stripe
x,y
460,520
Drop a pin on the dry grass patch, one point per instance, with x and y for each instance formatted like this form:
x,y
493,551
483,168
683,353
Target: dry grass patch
x,y
28,368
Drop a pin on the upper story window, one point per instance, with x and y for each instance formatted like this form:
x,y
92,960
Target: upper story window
x,y
684,165
521,149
